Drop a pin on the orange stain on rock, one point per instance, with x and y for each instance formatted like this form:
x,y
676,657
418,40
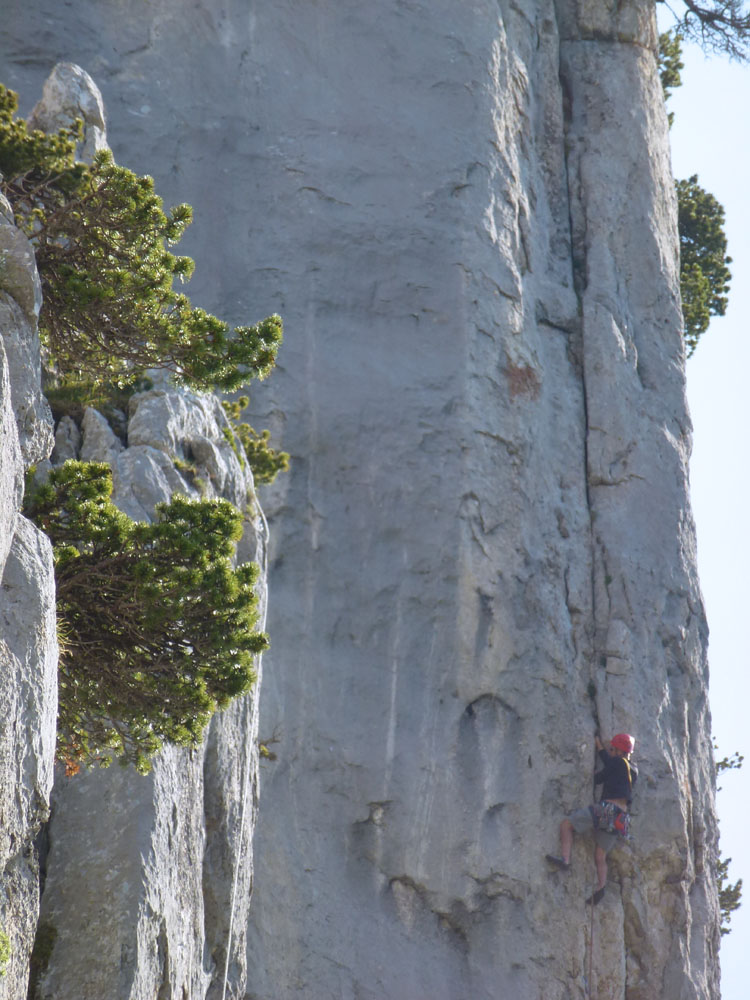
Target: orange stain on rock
x,y
522,380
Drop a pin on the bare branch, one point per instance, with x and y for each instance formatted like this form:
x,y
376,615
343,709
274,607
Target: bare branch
x,y
717,25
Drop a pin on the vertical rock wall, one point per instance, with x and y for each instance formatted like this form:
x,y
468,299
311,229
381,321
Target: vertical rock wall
x,y
28,636
484,550
145,882
161,866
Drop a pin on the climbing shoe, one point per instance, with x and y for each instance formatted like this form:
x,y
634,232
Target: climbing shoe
x,y
597,897
558,862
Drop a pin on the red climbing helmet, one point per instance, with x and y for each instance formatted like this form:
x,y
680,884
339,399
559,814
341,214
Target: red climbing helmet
x,y
623,742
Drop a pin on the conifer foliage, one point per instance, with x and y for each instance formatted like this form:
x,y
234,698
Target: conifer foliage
x,y
670,65
265,462
100,234
704,264
157,629
730,893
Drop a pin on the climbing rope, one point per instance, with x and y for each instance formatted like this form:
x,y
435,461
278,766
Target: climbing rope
x,y
591,953
595,712
246,783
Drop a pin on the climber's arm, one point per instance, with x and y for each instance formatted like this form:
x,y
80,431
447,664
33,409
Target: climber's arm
x,y
600,775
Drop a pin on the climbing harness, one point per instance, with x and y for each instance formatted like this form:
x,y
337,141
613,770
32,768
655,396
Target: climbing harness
x,y
610,818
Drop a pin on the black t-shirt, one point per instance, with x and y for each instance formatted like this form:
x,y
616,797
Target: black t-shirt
x,y
617,777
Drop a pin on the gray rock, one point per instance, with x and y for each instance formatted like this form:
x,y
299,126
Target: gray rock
x,y
160,878
144,476
164,870
20,302
192,428
148,914
67,441
467,222
18,274
28,706
11,463
648,619
166,418
28,638
6,211
70,93
162,865
99,442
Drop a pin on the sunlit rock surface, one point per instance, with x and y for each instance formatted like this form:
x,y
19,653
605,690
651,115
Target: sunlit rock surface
x,y
20,301
28,637
157,869
161,864
69,93
484,549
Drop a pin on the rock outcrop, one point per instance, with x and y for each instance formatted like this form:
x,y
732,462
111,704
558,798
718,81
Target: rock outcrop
x,y
28,635
69,94
161,865
484,550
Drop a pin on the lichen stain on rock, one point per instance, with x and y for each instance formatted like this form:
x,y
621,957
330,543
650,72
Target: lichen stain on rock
x,y
523,380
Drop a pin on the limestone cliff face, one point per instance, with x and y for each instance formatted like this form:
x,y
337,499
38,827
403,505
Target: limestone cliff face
x,y
160,865
144,882
465,214
28,637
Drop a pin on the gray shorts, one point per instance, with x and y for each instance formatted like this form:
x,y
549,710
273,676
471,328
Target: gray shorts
x,y
582,821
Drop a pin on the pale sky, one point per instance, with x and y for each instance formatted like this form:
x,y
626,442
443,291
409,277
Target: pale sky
x,y
711,138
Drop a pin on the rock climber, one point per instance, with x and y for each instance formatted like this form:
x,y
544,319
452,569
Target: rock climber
x,y
609,818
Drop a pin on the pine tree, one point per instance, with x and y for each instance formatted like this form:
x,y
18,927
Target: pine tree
x,y
670,65
100,235
730,895
720,25
264,461
704,264
157,628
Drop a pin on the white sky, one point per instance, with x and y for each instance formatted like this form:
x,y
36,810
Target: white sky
x,y
711,138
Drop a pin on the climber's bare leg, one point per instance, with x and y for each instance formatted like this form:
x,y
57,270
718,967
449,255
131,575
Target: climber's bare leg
x,y
566,840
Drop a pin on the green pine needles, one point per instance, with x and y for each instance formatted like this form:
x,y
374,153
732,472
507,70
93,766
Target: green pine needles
x,y
100,236
670,65
264,461
704,264
5,952
36,165
730,894
157,628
